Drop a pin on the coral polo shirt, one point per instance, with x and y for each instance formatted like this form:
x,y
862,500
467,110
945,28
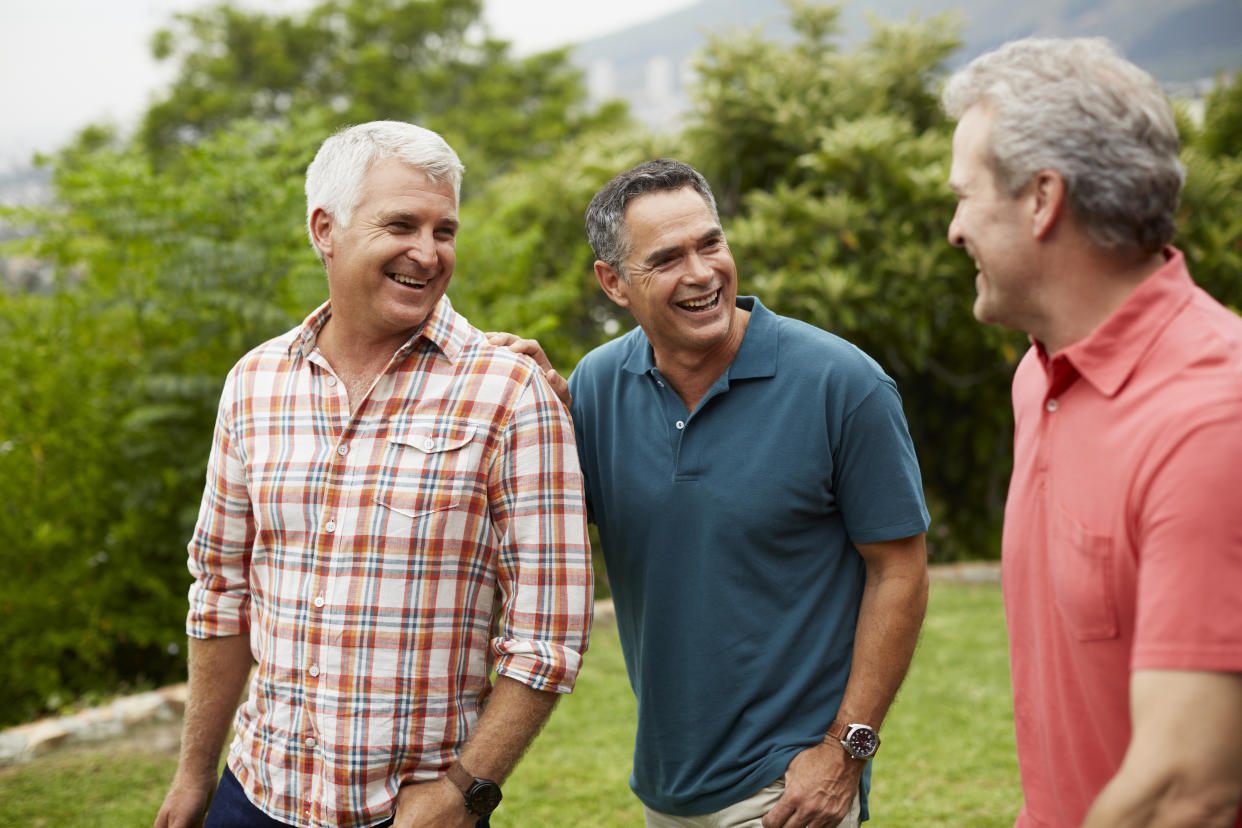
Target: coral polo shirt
x,y
1123,529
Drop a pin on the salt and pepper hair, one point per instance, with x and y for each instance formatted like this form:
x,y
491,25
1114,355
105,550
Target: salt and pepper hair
x,y
605,216
1077,107
334,178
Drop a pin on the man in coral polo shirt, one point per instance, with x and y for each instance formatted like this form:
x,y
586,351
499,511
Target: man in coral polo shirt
x,y
1122,552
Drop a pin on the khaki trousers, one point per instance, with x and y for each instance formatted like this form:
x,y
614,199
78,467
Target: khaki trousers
x,y
745,814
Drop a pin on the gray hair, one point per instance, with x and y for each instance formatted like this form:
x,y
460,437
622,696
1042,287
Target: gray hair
x,y
334,178
1079,108
605,216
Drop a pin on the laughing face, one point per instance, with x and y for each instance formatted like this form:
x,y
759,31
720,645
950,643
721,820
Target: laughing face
x,y
993,227
682,281
390,265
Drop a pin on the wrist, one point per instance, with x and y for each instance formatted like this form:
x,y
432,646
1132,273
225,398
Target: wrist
x,y
481,795
860,741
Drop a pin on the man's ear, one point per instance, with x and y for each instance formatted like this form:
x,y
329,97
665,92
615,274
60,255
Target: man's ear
x,y
321,231
1047,200
612,283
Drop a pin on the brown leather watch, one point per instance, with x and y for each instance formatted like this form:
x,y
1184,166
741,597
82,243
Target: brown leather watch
x,y
859,740
482,795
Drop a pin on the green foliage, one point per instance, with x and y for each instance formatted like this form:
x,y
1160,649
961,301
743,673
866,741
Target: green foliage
x,y
165,277
1222,120
363,60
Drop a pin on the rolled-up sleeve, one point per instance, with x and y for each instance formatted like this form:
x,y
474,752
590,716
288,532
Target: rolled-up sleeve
x,y
544,561
219,550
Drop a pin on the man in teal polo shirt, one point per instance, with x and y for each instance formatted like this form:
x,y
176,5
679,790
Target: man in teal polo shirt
x,y
761,514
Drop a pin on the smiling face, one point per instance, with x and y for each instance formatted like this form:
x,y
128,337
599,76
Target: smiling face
x,y
993,227
682,281
390,265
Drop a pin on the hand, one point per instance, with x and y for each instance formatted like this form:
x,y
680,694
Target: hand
x,y
820,786
432,805
187,801
533,349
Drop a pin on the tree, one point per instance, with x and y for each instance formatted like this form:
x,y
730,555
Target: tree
x,y
361,60
165,278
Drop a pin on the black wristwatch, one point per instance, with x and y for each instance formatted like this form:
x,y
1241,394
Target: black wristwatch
x,y
482,795
859,740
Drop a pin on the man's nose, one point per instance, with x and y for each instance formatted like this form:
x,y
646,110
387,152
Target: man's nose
x,y
698,269
422,249
955,231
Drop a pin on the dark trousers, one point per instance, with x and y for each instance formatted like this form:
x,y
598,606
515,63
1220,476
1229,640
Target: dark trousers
x,y
231,808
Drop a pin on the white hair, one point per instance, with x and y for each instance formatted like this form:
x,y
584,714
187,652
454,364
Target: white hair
x,y
334,178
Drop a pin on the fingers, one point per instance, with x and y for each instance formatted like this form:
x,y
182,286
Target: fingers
x,y
530,347
560,387
500,338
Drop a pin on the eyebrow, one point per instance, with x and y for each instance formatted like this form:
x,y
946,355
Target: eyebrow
x,y
657,256
413,218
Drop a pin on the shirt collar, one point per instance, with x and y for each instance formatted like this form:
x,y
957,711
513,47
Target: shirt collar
x,y
1108,355
755,357
445,329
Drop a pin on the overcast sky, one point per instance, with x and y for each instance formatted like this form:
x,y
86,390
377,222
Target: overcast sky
x,y
67,63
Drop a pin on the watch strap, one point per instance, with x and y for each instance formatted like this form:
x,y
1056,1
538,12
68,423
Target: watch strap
x,y
837,730
460,777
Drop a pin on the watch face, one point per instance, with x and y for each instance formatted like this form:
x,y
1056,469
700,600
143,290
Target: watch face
x,y
862,742
484,796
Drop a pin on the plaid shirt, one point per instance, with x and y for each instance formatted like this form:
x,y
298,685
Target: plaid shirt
x,y
384,563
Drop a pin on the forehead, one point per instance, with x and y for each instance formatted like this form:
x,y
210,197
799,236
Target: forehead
x,y
660,218
970,145
391,180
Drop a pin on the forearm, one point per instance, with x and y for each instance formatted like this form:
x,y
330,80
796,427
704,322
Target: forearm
x,y
514,715
219,668
1183,766
894,601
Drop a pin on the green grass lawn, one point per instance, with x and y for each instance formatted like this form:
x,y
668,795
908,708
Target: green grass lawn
x,y
947,757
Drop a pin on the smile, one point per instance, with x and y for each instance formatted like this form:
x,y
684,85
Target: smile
x,y
698,305
407,280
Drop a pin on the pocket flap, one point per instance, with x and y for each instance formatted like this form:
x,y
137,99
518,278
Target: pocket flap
x,y
434,436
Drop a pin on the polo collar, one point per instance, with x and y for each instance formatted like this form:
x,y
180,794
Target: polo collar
x,y
755,357
1108,355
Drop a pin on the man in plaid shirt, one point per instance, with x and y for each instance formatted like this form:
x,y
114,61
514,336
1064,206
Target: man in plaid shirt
x,y
393,510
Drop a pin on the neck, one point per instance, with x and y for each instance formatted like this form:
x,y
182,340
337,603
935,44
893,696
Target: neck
x,y
692,373
1091,287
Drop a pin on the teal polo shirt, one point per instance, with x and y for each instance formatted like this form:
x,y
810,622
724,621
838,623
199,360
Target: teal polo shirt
x,y
728,536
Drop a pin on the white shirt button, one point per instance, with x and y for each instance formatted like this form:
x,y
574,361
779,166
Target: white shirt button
x,y
1051,405
330,526
310,742
680,425
429,444
342,449
314,670
660,383
331,381
319,602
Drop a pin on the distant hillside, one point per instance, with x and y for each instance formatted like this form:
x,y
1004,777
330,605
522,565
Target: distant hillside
x,y
1178,41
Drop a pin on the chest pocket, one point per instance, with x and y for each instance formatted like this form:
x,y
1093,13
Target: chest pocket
x,y
1082,578
431,465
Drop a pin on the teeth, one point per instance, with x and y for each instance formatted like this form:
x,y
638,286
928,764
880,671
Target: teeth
x,y
696,304
407,280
